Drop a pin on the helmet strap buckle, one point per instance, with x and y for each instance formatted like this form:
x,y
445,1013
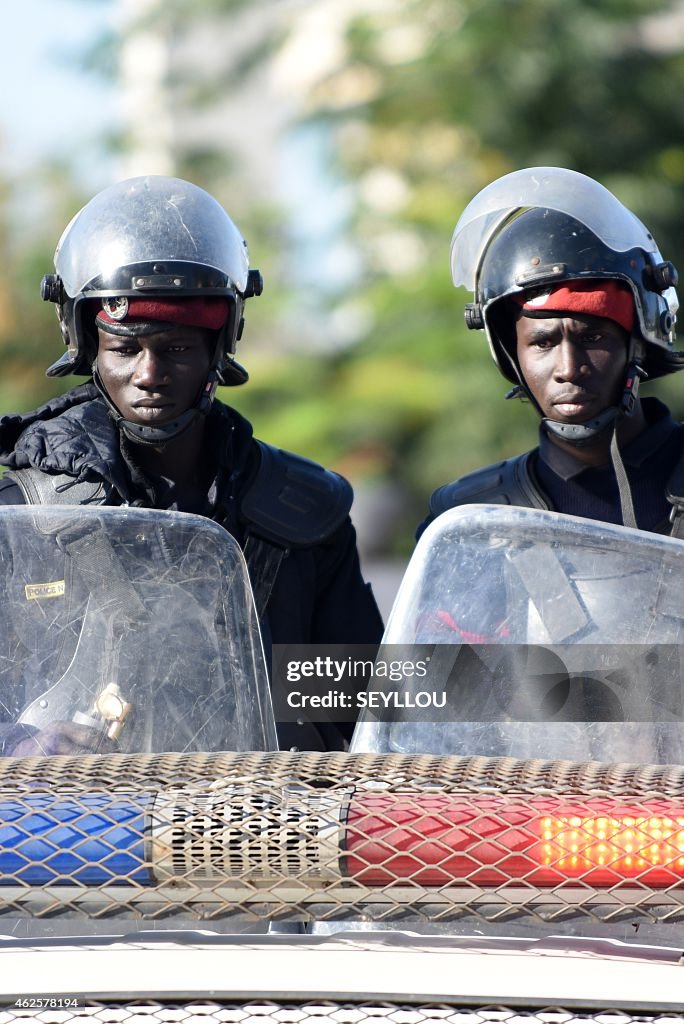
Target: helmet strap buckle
x,y
517,391
635,374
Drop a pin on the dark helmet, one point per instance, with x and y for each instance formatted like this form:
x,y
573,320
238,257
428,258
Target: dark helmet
x,y
143,238
538,227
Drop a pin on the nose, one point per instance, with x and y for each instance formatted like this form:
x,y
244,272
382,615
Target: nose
x,y
571,361
149,370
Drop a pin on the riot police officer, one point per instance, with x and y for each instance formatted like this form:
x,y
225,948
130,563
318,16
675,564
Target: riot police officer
x,y
150,285
578,306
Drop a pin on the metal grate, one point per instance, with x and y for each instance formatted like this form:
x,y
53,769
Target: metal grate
x,y
332,836
323,1012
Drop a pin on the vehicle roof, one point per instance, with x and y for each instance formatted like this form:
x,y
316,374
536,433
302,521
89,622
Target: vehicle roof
x,y
395,968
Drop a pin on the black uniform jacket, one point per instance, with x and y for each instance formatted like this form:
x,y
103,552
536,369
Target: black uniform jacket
x,y
319,596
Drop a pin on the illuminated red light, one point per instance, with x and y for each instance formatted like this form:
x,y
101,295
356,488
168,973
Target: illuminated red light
x,y
443,839
629,845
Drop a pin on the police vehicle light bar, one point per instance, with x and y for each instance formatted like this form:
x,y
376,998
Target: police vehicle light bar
x,y
210,836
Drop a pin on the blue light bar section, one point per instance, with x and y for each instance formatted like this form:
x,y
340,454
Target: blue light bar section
x,y
57,839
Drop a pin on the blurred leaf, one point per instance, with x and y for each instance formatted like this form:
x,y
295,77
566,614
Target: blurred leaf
x,y
429,101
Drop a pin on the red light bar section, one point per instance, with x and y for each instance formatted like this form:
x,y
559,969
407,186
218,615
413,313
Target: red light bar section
x,y
434,839
629,844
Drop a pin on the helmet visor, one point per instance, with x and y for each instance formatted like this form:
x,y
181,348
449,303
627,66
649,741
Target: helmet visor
x,y
553,188
154,220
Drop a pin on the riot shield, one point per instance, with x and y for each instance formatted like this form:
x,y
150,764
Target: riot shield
x,y
131,629
545,635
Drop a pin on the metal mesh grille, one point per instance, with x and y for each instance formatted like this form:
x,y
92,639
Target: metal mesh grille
x,y
323,1013
332,836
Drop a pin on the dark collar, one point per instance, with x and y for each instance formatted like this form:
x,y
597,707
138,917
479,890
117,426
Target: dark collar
x,y
660,425
74,434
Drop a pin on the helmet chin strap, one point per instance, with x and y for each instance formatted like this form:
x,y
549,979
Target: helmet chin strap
x,y
157,437
580,435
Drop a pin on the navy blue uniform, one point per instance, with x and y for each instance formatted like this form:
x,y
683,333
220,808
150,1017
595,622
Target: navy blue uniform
x,y
552,478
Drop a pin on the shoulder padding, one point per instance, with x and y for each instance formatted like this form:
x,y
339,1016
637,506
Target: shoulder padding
x,y
504,483
41,488
292,501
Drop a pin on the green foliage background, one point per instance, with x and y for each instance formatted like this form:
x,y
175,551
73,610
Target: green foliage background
x,y
434,99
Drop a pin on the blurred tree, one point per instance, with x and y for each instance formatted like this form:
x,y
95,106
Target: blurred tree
x,y
33,212
420,104
431,101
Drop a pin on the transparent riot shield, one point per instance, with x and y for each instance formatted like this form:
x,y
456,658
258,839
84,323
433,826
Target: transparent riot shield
x,y
545,636
127,630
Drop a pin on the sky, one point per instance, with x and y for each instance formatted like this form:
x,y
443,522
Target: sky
x,y
48,104
51,107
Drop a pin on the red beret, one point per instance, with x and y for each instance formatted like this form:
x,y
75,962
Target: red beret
x,y
191,311
610,299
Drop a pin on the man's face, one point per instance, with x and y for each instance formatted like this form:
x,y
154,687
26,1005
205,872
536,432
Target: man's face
x,y
574,366
154,378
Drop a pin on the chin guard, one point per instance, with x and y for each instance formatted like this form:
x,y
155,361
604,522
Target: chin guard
x,y
580,434
157,437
